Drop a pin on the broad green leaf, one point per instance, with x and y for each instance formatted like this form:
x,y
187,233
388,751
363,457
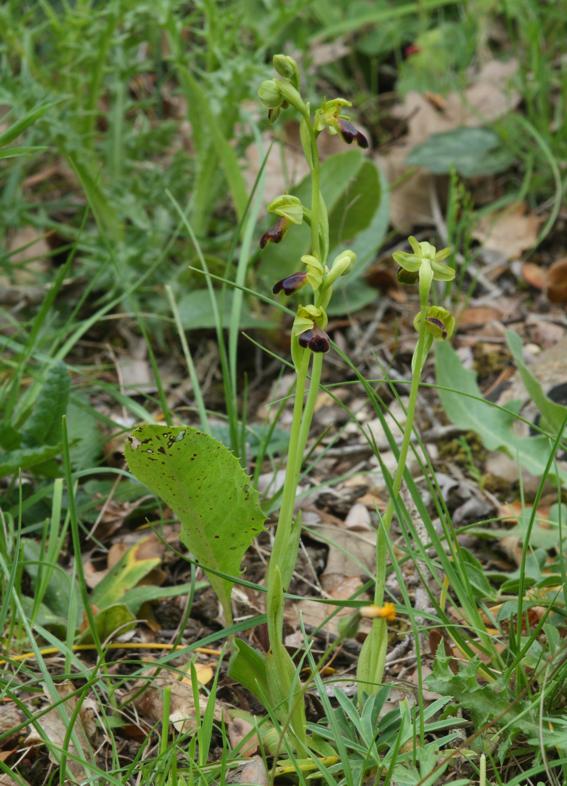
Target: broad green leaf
x,y
248,667
205,486
126,574
472,413
469,151
137,596
26,458
555,414
60,586
43,427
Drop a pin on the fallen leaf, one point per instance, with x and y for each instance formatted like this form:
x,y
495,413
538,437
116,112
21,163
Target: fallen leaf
x,y
182,714
557,281
253,773
534,275
508,232
240,729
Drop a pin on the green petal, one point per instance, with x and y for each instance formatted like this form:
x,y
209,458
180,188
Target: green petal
x,y
442,272
409,262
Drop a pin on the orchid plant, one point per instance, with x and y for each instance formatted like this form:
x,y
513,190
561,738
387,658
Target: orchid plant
x,y
273,677
423,266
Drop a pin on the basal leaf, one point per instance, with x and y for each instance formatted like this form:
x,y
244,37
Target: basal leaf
x,y
43,427
554,414
203,483
470,151
126,574
467,409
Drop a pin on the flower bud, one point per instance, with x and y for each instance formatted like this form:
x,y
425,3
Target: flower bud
x,y
290,284
342,264
269,94
287,67
275,233
315,339
288,207
292,96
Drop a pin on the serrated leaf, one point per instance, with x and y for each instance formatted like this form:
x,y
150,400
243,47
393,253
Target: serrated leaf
x,y
469,151
472,412
43,427
204,484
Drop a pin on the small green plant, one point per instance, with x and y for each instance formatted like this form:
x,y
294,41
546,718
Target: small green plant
x,y
423,266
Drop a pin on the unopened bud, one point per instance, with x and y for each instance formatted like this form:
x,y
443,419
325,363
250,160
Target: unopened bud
x,y
342,264
269,94
287,67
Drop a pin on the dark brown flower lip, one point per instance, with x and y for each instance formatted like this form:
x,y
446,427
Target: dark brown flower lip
x,y
438,323
316,340
351,133
275,233
290,284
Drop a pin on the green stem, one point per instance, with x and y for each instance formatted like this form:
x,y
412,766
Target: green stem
x,y
383,531
315,199
295,456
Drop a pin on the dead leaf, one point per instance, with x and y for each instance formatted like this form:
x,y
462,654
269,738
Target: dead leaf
x,y
55,726
534,275
477,316
253,773
508,232
240,729
557,281
182,715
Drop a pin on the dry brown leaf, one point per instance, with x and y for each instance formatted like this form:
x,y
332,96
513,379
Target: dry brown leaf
x,y
240,729
182,714
534,275
253,773
510,231
557,281
55,726
478,315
